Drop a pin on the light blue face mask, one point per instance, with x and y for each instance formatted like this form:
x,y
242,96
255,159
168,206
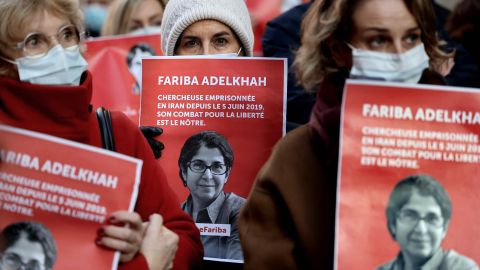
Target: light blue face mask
x,y
149,30
58,66
95,15
219,55
406,67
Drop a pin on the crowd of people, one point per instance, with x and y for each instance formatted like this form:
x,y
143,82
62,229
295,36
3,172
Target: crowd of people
x,y
288,219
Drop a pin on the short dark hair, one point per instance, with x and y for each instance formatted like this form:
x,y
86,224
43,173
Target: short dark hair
x,y
424,184
144,47
35,232
209,139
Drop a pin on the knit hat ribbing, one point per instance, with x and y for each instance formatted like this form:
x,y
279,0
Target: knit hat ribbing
x,y
180,14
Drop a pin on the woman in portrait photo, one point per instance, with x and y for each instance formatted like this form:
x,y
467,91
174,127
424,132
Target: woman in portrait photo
x,y
205,163
27,245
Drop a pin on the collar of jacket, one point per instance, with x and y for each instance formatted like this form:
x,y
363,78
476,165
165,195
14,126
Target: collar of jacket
x,y
61,111
325,117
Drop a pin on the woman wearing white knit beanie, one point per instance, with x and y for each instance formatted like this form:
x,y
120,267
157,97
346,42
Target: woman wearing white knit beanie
x,y
196,27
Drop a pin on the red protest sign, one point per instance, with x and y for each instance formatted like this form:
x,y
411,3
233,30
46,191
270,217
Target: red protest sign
x,y
241,101
69,188
409,157
115,63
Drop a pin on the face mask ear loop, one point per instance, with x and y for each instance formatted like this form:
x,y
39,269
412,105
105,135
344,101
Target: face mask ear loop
x,y
350,46
8,60
239,51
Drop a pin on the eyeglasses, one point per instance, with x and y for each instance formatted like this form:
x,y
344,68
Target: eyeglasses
x,y
412,218
199,166
12,261
38,43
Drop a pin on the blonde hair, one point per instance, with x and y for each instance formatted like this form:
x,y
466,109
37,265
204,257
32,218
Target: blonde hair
x,y
17,15
118,17
329,23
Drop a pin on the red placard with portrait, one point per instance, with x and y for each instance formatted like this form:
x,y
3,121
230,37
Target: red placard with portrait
x,y
69,188
115,65
393,131
242,99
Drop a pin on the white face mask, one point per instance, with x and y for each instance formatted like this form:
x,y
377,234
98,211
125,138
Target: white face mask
x,y
149,30
58,66
219,55
406,67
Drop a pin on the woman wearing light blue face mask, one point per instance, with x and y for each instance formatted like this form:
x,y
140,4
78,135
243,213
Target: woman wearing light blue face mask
x,y
209,27
136,17
291,209
44,87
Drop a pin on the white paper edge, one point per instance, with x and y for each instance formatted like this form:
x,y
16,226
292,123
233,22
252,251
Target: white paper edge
x,y
222,260
339,170
413,85
213,57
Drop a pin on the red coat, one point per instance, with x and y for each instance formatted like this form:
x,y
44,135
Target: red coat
x,y
64,111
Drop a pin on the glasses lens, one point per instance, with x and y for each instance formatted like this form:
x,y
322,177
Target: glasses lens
x,y
408,217
10,261
198,166
68,36
218,168
434,220
33,265
412,218
36,44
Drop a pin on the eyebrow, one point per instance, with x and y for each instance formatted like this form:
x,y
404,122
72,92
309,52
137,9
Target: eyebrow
x,y
383,30
224,33
215,35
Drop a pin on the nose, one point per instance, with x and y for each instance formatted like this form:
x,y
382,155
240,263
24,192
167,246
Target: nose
x,y
206,49
398,47
421,226
53,40
208,173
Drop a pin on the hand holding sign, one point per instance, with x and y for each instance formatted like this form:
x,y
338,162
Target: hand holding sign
x,y
160,244
126,239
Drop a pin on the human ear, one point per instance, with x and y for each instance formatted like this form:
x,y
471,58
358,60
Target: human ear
x,y
184,177
445,229
226,176
393,231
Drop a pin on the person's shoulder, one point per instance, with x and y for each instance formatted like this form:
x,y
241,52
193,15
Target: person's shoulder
x,y
455,260
234,201
234,198
297,143
387,266
295,156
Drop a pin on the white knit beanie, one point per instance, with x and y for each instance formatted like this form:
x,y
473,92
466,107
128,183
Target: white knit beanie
x,y
180,14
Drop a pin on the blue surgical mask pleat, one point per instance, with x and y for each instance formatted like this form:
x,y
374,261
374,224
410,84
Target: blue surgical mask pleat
x,y
149,30
58,66
405,67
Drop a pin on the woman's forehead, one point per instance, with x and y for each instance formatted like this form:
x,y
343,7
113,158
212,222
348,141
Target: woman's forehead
x,y
390,15
422,204
27,249
207,26
205,153
45,22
